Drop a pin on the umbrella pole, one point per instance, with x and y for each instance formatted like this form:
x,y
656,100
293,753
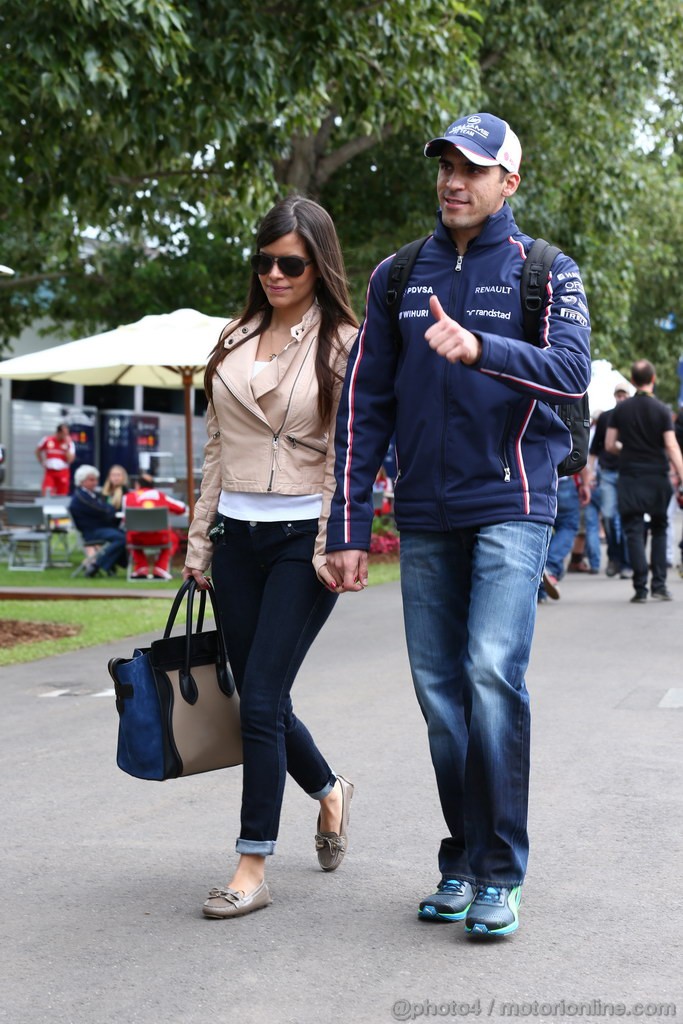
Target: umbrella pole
x,y
187,388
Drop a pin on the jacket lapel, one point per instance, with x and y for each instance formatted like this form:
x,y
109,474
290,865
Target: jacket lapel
x,y
253,393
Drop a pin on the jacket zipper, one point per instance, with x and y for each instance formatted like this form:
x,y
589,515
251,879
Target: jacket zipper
x,y
276,437
444,426
276,445
502,450
294,441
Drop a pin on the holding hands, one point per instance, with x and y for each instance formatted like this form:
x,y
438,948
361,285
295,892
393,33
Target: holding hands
x,y
345,571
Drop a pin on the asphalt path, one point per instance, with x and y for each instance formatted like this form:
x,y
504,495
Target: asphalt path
x,y
103,875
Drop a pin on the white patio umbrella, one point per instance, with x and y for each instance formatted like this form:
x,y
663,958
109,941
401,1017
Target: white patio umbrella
x,y
604,380
168,350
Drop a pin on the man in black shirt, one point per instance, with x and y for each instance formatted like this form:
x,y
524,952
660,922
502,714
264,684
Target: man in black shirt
x,y
642,434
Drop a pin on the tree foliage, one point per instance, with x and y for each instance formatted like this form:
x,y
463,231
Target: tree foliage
x,y
143,139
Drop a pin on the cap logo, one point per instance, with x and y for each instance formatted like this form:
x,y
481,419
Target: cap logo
x,y
470,128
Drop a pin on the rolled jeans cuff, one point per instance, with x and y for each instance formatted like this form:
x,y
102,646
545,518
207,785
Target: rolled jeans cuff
x,y
322,793
260,847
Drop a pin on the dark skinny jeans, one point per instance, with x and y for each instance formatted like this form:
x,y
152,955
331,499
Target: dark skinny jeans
x,y
272,607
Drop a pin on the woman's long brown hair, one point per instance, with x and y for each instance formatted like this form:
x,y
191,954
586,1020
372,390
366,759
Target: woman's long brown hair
x,y
315,227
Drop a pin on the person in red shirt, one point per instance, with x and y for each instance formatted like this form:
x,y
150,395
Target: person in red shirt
x,y
146,495
55,453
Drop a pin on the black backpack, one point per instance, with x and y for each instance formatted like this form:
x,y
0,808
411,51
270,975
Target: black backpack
x,y
575,416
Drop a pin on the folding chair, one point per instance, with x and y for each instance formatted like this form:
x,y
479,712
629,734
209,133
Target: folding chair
x,y
29,541
4,543
144,520
60,531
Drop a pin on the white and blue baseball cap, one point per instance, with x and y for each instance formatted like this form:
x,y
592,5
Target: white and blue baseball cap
x,y
484,139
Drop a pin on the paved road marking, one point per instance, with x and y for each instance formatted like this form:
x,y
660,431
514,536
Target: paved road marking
x,y
672,699
78,693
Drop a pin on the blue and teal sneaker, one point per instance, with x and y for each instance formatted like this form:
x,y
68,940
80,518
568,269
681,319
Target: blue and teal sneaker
x,y
494,910
450,902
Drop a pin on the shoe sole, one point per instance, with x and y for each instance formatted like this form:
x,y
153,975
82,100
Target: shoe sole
x,y
216,915
430,913
481,929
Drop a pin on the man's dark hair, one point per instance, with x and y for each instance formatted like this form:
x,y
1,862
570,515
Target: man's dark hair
x,y
642,372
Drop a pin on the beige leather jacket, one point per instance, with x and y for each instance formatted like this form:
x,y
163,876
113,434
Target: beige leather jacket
x,y
265,433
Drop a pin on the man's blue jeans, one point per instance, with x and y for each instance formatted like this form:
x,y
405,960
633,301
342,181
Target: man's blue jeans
x,y
566,526
609,510
115,551
469,600
591,513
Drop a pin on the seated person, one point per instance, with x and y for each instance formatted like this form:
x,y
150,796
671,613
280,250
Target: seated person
x,y
96,520
146,495
116,486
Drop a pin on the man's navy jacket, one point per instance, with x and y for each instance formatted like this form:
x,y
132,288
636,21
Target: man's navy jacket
x,y
477,444
91,513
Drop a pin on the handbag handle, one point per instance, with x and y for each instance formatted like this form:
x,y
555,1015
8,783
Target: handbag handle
x,y
186,586
224,676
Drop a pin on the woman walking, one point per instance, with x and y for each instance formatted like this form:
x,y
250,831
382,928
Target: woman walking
x,y
273,383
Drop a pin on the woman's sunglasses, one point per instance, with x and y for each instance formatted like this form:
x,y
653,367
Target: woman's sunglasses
x,y
290,266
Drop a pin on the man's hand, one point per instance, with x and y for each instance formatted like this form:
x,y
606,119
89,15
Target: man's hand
x,y
451,340
348,570
584,493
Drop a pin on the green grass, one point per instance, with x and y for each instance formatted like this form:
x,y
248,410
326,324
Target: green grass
x,y
383,572
60,576
100,621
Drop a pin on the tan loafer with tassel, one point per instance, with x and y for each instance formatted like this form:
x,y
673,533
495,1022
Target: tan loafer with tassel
x,y
331,846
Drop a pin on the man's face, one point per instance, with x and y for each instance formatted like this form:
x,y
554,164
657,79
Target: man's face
x,y
469,194
90,482
620,395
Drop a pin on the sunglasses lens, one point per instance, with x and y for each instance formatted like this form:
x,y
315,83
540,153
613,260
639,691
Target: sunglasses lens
x,y
261,264
291,266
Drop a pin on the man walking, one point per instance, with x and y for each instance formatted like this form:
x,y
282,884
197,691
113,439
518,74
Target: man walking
x,y
477,447
641,433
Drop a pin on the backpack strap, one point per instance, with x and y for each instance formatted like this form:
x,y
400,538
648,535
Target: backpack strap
x,y
399,275
535,274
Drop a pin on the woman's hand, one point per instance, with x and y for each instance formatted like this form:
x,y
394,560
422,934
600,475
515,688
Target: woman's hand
x,y
347,569
326,577
197,575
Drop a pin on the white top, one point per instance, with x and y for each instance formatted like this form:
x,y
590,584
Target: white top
x,y
268,506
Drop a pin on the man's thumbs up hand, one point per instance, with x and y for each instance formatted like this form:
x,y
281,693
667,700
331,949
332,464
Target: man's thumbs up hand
x,y
449,339
437,309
